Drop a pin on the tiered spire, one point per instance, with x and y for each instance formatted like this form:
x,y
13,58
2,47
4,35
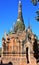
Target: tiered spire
x,y
20,22
20,11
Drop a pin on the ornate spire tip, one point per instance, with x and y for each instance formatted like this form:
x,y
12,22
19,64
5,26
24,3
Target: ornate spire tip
x,y
19,1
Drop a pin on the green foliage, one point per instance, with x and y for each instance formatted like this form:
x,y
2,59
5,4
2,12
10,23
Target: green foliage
x,y
36,36
19,26
37,18
10,32
34,2
37,12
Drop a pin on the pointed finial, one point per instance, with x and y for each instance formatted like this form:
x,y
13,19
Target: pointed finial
x,y
20,4
5,34
19,11
13,26
19,1
11,29
28,23
29,27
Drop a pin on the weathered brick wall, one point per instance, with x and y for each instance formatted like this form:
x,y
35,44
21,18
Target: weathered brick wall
x,y
19,59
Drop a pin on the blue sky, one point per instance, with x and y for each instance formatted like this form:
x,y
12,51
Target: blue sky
x,y
9,14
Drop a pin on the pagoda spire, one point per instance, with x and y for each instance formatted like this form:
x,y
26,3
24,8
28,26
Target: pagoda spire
x,y
29,25
20,17
19,26
29,29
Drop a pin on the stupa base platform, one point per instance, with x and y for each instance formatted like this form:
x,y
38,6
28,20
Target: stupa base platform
x,y
19,59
